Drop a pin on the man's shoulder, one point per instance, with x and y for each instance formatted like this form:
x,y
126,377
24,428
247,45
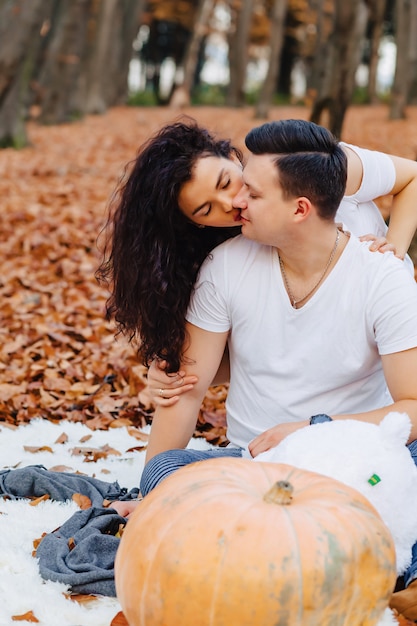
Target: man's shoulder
x,y
369,265
235,243
236,248
233,257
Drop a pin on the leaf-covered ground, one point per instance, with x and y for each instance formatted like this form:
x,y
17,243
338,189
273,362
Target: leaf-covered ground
x,y
58,355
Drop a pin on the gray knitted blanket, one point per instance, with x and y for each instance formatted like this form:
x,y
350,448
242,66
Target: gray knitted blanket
x,y
81,552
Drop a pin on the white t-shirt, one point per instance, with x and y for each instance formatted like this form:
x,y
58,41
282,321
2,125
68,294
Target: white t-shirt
x,y
288,364
358,213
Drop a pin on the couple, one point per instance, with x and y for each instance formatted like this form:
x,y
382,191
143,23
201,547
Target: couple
x,y
317,326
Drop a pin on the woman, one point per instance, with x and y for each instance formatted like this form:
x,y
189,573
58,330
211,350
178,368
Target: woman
x,y
155,248
175,206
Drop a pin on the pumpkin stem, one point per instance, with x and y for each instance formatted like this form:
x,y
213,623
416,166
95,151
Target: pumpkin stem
x,y
280,493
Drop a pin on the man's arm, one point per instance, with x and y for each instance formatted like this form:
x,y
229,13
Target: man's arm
x,y
173,426
400,370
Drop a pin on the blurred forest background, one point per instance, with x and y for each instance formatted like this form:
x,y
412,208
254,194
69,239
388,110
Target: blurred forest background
x,y
62,59
83,83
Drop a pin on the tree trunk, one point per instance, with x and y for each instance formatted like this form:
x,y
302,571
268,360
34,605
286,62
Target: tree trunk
x,y
238,53
399,94
20,25
131,20
103,79
317,64
100,61
344,52
19,22
61,68
276,39
376,23
412,94
182,93
12,126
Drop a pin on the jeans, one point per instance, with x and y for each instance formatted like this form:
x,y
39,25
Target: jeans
x,y
410,573
165,463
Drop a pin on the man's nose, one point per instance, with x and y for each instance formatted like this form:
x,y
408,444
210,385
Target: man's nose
x,y
238,201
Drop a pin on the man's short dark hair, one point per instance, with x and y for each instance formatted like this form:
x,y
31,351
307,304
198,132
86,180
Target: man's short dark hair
x,y
309,160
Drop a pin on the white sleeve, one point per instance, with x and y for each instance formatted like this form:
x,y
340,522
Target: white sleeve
x,y
208,309
378,177
393,298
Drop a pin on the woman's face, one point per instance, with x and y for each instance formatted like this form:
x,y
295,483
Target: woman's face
x,y
206,199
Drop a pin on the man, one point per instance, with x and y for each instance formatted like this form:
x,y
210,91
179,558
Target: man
x,y
337,324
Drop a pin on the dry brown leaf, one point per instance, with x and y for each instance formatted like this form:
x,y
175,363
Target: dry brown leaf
x,y
121,422
119,620
7,425
26,617
83,502
93,454
61,468
215,418
137,434
100,422
120,531
59,358
36,543
81,598
35,449
37,501
137,449
63,438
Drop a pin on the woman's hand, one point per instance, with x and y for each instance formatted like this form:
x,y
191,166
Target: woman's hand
x,y
166,389
380,244
124,507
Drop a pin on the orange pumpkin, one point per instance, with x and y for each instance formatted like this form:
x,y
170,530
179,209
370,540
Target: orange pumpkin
x,y
224,543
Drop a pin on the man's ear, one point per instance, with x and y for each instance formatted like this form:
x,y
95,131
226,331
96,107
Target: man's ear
x,y
303,208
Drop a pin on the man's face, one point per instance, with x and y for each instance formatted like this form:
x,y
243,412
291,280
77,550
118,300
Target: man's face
x,y
265,212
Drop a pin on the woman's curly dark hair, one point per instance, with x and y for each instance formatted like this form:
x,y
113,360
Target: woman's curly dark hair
x,y
153,253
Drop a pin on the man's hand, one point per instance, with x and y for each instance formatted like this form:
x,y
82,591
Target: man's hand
x,y
272,437
173,424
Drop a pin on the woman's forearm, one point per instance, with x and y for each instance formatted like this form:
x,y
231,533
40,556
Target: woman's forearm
x,y
403,213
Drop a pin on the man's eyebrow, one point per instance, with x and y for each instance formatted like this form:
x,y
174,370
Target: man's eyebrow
x,y
250,185
219,180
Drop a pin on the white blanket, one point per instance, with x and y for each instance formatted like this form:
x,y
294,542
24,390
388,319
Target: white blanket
x,y
21,588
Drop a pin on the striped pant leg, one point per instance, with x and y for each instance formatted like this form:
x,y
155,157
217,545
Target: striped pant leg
x,y
165,463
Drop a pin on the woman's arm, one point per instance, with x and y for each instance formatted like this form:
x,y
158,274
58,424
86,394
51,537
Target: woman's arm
x,y
403,213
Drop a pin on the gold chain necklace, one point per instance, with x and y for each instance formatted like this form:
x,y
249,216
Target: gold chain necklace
x,y
293,301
